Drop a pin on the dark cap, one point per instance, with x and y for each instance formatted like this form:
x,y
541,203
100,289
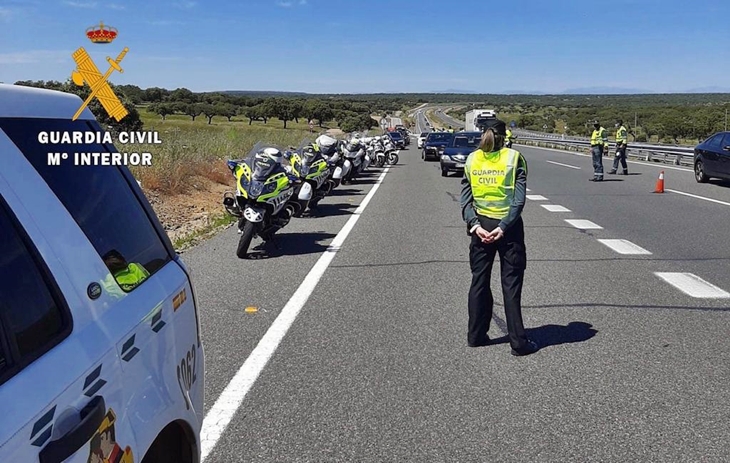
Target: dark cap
x,y
499,127
596,124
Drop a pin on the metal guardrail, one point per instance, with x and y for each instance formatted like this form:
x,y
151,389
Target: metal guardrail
x,y
677,155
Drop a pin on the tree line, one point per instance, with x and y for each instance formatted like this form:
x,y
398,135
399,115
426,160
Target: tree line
x,y
647,116
669,117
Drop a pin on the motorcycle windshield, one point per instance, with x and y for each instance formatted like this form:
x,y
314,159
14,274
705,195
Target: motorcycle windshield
x,y
261,160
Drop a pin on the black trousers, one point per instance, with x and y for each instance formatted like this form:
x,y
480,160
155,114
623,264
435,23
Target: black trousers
x,y
620,156
513,261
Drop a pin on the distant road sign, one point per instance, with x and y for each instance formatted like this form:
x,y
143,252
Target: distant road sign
x,y
384,123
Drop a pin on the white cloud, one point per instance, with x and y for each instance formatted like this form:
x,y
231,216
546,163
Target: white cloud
x,y
291,3
114,6
35,56
285,4
185,4
80,4
5,13
302,2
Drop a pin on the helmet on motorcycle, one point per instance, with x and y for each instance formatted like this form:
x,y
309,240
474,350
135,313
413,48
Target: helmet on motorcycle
x,y
327,145
265,161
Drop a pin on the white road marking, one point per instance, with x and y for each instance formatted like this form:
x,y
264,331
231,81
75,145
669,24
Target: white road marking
x,y
564,165
693,285
584,224
528,189
230,400
698,197
537,197
555,208
625,247
658,165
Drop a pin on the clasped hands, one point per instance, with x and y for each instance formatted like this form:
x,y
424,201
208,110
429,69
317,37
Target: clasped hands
x,y
489,237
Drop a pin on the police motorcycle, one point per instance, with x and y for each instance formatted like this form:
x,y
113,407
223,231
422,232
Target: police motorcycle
x,y
391,152
328,148
353,152
311,167
266,194
378,152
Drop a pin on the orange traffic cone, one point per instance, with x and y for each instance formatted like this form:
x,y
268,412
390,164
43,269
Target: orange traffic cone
x,y
660,183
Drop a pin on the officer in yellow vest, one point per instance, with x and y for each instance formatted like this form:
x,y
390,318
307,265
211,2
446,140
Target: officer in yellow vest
x,y
508,139
128,275
599,145
492,198
622,137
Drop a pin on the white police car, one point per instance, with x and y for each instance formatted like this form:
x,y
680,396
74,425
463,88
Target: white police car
x,y
100,352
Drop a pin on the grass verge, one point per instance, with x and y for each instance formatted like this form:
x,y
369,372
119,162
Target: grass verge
x,y
215,224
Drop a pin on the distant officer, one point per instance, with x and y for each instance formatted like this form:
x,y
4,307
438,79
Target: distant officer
x,y
622,137
492,198
508,139
599,142
451,129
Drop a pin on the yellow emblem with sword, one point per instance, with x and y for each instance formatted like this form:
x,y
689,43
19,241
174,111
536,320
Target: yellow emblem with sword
x,y
86,72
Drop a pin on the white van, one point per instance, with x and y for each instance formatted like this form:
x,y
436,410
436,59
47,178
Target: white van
x,y
100,352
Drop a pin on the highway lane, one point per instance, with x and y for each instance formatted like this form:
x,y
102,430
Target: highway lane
x,y
448,120
376,367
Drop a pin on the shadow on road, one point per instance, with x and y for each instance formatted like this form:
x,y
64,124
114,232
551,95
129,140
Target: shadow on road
x,y
398,264
720,183
345,192
330,210
291,244
555,335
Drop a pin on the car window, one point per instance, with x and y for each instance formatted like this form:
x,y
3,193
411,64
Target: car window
x,y
98,198
33,315
714,142
725,141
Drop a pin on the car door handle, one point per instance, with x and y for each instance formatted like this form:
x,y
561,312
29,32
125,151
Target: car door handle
x,y
92,415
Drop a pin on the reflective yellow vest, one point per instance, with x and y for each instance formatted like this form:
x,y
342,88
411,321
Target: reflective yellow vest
x,y
599,137
621,135
492,179
132,276
509,135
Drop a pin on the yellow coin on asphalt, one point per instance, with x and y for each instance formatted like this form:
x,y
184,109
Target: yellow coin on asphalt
x,y
251,309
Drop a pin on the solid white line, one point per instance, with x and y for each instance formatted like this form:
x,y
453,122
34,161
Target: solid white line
x,y
693,285
624,247
564,165
584,224
555,208
698,197
537,197
230,400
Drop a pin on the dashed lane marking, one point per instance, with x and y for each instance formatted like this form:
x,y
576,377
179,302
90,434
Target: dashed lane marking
x,y
584,224
625,247
555,208
692,285
227,404
536,197
563,165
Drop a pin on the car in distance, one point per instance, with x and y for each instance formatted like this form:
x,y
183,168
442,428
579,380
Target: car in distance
x,y
422,139
435,144
101,356
403,131
454,155
712,158
398,139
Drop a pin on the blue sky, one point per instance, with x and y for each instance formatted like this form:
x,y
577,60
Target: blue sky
x,y
338,46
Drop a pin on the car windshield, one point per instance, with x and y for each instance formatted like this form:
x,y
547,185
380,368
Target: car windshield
x,y
396,135
466,141
439,136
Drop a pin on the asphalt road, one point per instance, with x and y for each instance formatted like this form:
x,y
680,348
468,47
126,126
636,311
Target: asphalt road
x,y
374,364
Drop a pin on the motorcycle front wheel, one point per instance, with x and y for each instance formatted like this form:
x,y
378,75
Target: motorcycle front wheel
x,y
392,159
245,241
